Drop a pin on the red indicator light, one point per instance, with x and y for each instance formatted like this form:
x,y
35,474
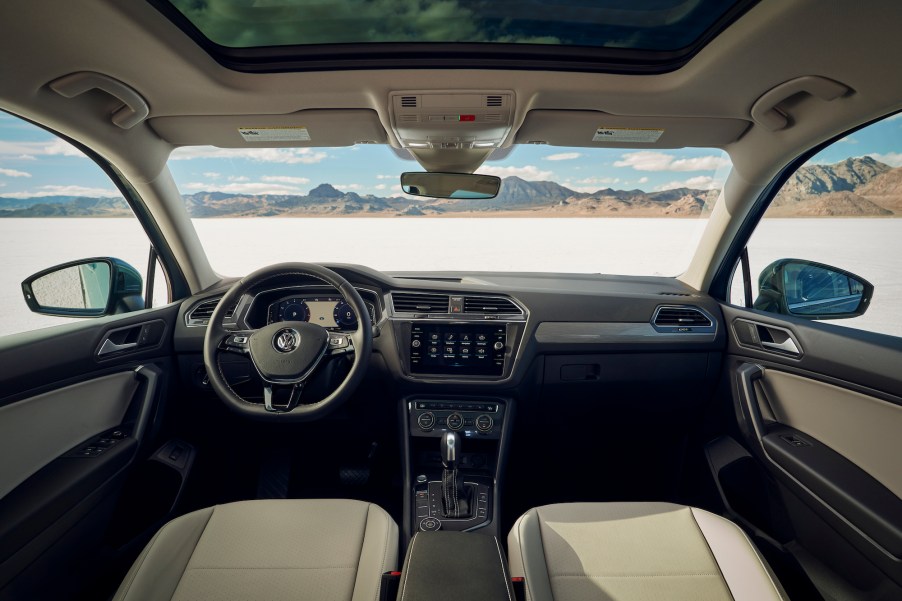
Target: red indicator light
x,y
468,117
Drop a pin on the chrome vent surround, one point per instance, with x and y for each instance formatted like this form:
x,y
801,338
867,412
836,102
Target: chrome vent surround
x,y
419,302
682,319
200,314
491,305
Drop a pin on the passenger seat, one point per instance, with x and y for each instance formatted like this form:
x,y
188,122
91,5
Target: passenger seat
x,y
636,552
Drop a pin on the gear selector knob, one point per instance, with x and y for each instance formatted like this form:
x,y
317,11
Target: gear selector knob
x,y
450,450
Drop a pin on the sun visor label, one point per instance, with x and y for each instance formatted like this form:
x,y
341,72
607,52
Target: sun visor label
x,y
639,135
274,134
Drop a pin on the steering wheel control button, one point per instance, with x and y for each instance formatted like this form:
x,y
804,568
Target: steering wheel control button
x,y
430,524
338,341
239,340
484,423
426,421
455,421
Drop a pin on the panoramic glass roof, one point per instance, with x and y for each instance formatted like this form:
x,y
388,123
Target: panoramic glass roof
x,y
647,25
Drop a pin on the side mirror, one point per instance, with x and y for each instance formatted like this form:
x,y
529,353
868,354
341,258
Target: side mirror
x,y
812,290
85,288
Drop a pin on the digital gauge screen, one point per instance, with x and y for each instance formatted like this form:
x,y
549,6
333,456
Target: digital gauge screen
x,y
322,312
328,312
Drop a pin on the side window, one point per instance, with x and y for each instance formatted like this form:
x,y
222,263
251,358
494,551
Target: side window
x,y
58,206
839,218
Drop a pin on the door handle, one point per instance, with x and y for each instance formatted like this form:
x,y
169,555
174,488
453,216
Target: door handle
x,y
111,347
787,346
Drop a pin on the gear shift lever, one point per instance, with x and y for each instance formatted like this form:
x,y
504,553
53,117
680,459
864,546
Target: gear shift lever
x,y
455,497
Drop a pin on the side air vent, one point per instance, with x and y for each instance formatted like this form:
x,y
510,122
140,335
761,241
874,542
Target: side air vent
x,y
200,314
490,305
682,319
409,102
674,294
494,101
417,302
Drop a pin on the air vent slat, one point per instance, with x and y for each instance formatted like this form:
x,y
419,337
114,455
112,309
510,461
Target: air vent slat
x,y
409,102
490,305
416,302
494,100
668,317
201,313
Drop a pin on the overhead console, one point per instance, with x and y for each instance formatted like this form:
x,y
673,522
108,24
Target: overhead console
x,y
454,337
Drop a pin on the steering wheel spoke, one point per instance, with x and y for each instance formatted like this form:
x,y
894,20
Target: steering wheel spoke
x,y
236,341
294,397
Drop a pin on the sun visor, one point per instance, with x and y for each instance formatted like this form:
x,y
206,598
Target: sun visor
x,y
323,128
598,129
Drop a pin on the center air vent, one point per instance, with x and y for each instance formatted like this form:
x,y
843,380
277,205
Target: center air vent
x,y
418,302
490,305
200,314
682,319
409,102
494,101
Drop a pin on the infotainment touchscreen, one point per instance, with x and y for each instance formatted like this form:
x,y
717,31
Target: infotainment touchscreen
x,y
460,349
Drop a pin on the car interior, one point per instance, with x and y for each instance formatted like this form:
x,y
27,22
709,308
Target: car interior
x,y
329,430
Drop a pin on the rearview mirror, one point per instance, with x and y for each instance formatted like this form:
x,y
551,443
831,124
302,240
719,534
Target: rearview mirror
x,y
85,288
812,290
450,185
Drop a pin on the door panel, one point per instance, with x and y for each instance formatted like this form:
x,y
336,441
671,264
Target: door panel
x,y
72,422
67,416
825,423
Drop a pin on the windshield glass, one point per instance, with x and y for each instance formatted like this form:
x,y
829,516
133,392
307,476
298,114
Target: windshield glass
x,y
574,210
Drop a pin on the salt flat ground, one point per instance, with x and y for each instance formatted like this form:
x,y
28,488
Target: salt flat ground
x,y
871,248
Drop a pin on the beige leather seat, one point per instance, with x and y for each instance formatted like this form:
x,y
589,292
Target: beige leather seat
x,y
636,551
273,550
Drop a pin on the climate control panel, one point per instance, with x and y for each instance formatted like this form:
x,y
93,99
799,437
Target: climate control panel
x,y
431,417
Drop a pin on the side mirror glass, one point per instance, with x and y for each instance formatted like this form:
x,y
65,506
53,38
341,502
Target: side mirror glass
x,y
86,288
812,290
470,186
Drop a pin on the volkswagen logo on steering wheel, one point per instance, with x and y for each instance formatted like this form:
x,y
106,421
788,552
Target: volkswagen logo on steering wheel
x,y
286,340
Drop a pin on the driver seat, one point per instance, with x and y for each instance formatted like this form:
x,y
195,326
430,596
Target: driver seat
x,y
268,549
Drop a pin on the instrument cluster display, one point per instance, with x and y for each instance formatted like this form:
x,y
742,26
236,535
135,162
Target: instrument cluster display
x,y
331,312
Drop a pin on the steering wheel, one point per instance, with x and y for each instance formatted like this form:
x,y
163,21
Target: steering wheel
x,y
287,353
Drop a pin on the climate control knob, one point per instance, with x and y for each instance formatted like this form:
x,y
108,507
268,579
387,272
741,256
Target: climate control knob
x,y
415,344
426,421
499,345
484,423
455,421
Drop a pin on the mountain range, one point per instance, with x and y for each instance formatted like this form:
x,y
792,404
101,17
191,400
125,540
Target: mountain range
x,y
862,187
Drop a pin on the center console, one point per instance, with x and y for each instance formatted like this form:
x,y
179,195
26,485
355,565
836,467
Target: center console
x,y
456,488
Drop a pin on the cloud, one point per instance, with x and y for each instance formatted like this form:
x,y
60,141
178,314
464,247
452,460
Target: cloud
x,y
249,188
702,182
380,187
239,178
527,172
848,140
643,180
285,179
386,176
44,191
29,150
346,187
893,159
895,117
605,181
212,174
647,160
563,156
290,156
13,173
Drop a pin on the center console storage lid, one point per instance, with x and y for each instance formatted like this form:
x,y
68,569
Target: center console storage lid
x,y
451,566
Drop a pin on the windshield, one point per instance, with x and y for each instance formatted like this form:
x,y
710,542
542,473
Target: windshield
x,y
572,210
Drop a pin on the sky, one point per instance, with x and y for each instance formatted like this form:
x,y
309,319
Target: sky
x,y
33,163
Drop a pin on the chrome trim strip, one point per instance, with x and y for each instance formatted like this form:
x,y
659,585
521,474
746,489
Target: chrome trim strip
x,y
570,332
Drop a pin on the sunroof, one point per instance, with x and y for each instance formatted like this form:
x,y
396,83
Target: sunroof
x,y
251,29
